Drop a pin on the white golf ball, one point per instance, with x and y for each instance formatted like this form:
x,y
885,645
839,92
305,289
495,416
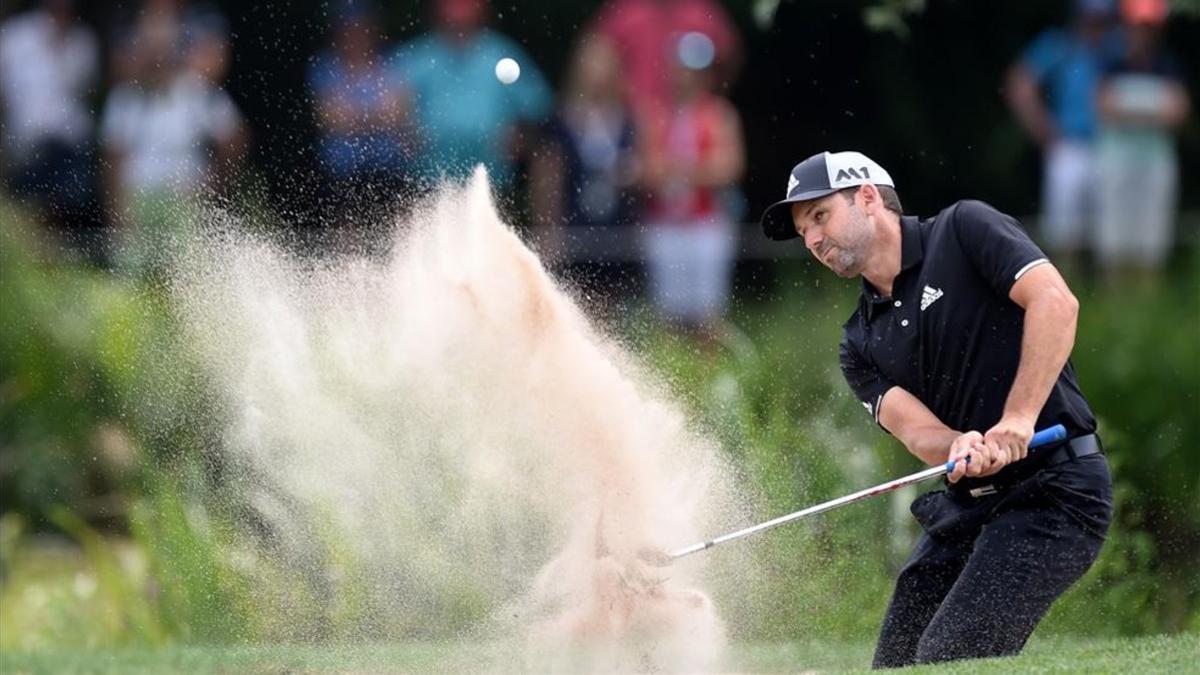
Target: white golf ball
x,y
507,70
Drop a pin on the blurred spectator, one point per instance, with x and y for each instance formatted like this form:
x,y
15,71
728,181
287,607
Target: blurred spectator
x,y
464,115
647,32
169,135
48,64
583,173
1142,100
135,25
364,117
1052,91
691,159
206,44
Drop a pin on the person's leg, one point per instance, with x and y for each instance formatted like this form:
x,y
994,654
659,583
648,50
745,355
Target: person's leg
x,y
1118,207
663,261
1156,234
930,573
924,581
1040,542
711,274
1066,184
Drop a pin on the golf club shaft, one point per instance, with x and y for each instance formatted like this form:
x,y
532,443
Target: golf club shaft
x,y
1048,435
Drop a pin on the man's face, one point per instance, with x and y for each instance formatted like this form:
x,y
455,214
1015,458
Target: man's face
x,y
837,232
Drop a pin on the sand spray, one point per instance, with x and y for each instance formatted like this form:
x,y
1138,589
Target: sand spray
x,y
490,463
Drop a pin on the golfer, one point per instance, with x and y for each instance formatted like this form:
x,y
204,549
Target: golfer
x,y
958,347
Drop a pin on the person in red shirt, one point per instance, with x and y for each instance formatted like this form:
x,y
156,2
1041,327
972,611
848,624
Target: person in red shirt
x,y
692,156
646,33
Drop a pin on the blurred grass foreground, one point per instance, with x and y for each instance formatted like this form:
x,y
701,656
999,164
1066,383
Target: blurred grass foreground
x,y
110,536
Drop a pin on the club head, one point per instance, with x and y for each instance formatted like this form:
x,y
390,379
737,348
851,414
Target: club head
x,y
655,557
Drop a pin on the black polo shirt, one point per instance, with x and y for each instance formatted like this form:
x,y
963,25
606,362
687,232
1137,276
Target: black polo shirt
x,y
949,334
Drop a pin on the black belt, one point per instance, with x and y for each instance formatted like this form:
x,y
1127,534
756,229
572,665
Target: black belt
x,y
1081,446
1074,449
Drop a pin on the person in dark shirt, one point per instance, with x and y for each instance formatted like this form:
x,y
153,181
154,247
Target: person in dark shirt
x,y
1143,101
582,179
959,347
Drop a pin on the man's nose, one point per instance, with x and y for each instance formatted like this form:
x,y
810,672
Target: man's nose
x,y
812,239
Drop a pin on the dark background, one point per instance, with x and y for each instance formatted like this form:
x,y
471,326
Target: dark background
x,y
924,101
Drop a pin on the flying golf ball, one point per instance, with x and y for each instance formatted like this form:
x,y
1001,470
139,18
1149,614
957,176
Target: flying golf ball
x,y
507,70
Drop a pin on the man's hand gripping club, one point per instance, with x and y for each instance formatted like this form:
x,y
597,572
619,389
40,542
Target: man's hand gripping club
x,y
976,455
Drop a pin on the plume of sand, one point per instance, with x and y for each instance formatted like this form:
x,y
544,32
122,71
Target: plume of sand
x,y
454,417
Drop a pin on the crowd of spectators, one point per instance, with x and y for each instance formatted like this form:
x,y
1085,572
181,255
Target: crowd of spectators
x,y
639,150
640,144
1102,99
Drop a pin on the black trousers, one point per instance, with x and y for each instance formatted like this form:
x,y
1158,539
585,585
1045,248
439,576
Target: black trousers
x,y
986,569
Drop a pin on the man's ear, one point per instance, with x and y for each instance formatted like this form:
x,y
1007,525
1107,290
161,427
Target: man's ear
x,y
871,199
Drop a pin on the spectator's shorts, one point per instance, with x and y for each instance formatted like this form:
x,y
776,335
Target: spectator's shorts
x,y
1068,184
690,267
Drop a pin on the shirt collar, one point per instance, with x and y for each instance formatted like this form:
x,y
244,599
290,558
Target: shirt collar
x,y
912,252
912,249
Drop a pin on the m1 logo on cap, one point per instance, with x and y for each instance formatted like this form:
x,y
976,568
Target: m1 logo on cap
x,y
847,174
792,183
847,169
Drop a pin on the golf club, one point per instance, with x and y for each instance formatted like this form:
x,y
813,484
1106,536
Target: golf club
x,y
1049,435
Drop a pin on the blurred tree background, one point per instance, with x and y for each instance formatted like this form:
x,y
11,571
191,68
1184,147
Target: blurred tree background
x,y
914,84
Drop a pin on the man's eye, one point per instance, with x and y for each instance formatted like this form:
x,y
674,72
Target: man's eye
x,y
820,217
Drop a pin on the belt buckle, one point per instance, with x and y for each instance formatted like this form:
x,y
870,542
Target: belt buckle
x,y
983,491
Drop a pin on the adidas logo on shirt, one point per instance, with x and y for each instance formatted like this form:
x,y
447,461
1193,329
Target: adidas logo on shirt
x,y
929,296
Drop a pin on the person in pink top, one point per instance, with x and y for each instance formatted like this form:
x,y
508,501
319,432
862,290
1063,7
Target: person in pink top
x,y
691,158
646,33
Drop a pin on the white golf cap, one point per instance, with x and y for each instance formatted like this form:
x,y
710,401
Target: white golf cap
x,y
822,174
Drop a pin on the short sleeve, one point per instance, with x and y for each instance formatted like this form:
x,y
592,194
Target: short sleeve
x,y
1044,54
222,119
121,119
996,244
868,384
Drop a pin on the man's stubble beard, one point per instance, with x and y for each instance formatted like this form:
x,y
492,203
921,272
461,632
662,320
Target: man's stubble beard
x,y
851,257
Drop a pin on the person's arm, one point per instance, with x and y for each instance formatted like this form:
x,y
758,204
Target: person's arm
x,y
1025,80
117,122
1170,114
727,162
904,416
1025,99
1048,336
547,175
229,135
926,437
1179,106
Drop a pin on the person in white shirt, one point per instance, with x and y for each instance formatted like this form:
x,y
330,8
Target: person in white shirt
x,y
48,66
166,137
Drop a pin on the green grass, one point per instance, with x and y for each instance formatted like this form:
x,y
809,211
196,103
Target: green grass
x,y
1153,654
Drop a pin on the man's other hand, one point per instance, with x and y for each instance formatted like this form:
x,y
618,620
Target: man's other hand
x,y
967,457
1011,435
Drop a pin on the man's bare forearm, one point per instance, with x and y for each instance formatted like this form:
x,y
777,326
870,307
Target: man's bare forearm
x,y
1046,343
921,432
932,444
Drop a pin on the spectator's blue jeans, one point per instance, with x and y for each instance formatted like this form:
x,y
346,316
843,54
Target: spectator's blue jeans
x,y
986,569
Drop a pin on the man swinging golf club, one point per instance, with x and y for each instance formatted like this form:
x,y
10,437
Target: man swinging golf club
x,y
958,347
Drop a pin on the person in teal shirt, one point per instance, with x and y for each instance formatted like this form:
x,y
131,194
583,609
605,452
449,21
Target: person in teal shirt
x,y
464,115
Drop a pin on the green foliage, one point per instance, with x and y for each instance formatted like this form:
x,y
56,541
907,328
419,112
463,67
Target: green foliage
x,y
133,621
200,597
55,402
104,426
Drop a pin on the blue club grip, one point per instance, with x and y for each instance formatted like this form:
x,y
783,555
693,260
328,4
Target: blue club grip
x,y
1048,435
